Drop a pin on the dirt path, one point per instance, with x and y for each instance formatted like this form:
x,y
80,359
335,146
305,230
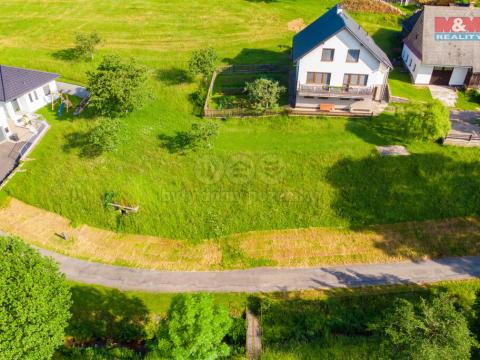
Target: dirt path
x,y
254,337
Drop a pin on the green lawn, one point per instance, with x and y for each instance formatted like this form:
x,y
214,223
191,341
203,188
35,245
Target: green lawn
x,y
273,173
401,85
468,100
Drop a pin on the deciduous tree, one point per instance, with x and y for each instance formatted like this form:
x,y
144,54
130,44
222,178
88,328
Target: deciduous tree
x,y
203,62
429,330
105,137
34,303
264,94
85,44
117,87
196,329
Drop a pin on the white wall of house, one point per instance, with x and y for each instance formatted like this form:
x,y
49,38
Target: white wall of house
x,y
36,99
3,121
422,74
28,104
368,64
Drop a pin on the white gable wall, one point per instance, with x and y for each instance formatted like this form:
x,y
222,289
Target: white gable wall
x,y
3,121
39,101
341,42
421,74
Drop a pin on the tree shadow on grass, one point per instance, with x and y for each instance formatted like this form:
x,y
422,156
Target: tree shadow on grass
x,y
178,143
384,129
419,187
262,56
106,316
291,317
80,140
174,76
389,40
65,54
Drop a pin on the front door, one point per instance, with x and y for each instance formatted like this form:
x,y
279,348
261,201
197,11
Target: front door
x,y
441,76
16,106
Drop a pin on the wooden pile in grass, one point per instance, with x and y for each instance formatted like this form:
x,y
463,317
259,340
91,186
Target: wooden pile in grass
x,y
371,6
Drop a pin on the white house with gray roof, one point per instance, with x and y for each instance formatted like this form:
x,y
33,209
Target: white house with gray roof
x,y
22,92
442,46
338,65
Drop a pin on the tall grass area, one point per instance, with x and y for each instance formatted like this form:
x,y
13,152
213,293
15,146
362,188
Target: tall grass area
x,y
261,174
330,324
335,324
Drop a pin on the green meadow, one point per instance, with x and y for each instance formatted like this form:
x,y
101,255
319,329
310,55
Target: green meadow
x,y
260,174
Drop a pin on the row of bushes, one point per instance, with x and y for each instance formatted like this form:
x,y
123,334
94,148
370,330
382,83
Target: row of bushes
x,y
421,323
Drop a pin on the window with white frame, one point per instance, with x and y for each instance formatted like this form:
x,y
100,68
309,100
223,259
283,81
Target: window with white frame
x,y
35,94
30,97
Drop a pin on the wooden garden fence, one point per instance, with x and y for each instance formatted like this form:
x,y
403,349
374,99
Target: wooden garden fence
x,y
241,69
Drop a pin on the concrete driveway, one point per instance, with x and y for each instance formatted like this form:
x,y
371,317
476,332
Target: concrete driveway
x,y
445,94
465,128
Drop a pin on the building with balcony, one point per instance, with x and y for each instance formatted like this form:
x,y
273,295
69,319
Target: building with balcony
x,y
338,65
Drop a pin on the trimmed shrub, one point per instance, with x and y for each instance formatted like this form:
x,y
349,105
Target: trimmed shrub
x,y
424,121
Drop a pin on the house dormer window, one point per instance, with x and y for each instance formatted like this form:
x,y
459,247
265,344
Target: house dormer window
x,y
328,54
353,56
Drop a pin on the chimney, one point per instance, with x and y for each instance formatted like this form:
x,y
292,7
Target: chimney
x,y
339,9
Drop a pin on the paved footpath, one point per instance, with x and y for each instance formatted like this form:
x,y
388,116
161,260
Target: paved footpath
x,y
268,279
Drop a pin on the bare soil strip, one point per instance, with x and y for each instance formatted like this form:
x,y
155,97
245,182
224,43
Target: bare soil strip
x,y
283,248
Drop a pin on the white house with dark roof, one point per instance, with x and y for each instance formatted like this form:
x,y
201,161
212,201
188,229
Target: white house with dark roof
x,y
442,46
22,92
338,65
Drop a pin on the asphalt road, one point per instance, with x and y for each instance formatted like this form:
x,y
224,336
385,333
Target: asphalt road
x,y
268,279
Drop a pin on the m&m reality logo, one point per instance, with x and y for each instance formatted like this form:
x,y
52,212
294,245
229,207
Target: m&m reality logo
x,y
457,29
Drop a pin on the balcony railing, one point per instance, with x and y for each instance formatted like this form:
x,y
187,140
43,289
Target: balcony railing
x,y
335,91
